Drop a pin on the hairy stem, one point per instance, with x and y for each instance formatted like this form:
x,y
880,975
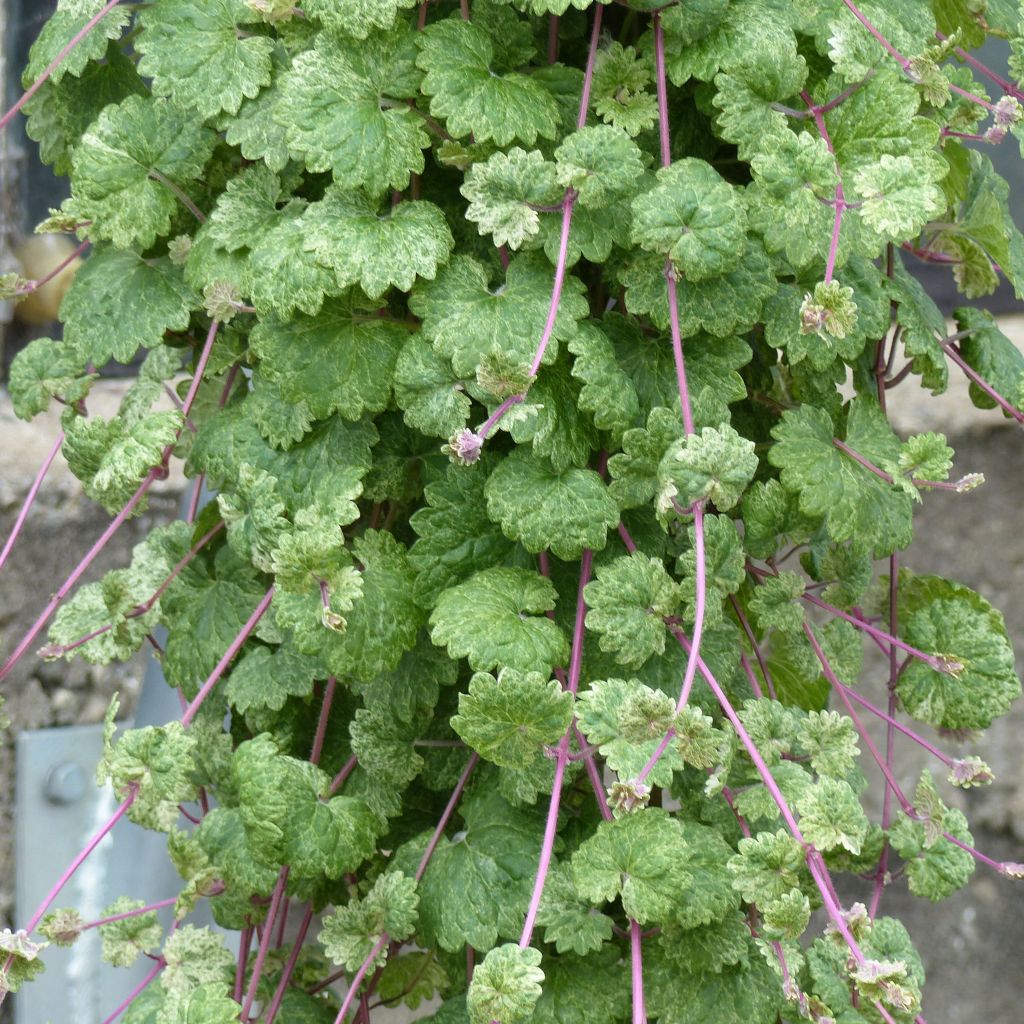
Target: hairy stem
x,y
264,946
30,498
32,286
137,991
954,353
321,725
839,200
58,60
226,658
289,967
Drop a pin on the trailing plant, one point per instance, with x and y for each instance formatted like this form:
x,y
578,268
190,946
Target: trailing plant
x,y
539,357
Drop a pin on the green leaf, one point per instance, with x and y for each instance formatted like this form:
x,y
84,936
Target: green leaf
x,y
114,601
359,17
565,512
995,357
59,114
712,895
125,940
120,302
195,52
204,609
70,17
584,989
157,762
341,360
767,866
45,369
829,739
854,502
342,105
350,933
627,721
714,464
748,993
724,569
129,164
432,398
412,978
722,306
620,95
266,677
375,250
695,218
506,985
473,99
639,858
635,471
508,720
456,538
627,602
959,626
831,816
709,948
477,885
608,393
504,191
289,817
465,319
569,921
325,468
775,602
111,457
897,199
599,163
938,869
495,618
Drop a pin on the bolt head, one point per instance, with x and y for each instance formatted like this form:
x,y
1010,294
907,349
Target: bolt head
x,y
65,783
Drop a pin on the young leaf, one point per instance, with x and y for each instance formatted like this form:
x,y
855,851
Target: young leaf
x,y
125,940
345,232
694,217
569,922
505,986
349,933
831,816
504,191
599,163
640,858
496,618
341,104
714,464
565,512
45,369
509,719
457,57
196,53
626,604
130,164
775,602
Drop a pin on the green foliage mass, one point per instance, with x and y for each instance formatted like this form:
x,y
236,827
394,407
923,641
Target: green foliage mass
x,y
480,353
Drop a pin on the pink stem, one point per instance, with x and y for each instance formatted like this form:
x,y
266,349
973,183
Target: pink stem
x,y
289,968
449,810
1003,403
58,60
751,676
839,202
636,959
64,263
245,942
30,498
1004,84
193,501
80,859
137,991
243,635
197,377
661,81
170,901
755,646
593,773
883,42
453,800
321,725
551,825
264,946
899,726
339,780
485,428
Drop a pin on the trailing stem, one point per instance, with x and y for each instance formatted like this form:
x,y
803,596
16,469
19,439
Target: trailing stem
x,y
30,498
